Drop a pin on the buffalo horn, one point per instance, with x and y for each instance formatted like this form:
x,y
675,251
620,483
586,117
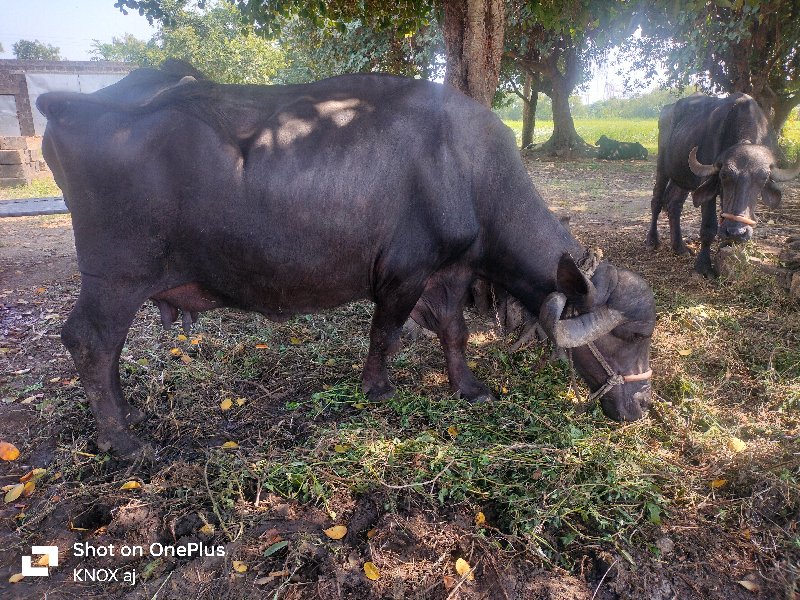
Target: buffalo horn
x,y
699,168
785,174
576,331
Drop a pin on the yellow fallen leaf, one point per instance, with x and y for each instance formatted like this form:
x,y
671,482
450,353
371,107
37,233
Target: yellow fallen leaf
x,y
751,586
341,448
480,519
685,352
336,532
44,561
226,404
230,445
240,401
28,488
463,569
736,445
504,390
239,566
359,405
34,475
14,493
181,337
54,380
131,485
175,351
372,533
718,483
472,364
16,578
194,341
452,430
371,571
262,346
208,529
8,451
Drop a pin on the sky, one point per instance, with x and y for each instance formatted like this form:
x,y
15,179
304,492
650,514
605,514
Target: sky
x,y
72,25
69,24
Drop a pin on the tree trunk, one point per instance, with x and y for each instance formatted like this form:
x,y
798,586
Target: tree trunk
x,y
783,108
473,40
530,99
565,141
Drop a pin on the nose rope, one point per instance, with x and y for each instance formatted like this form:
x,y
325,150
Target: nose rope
x,y
614,379
739,218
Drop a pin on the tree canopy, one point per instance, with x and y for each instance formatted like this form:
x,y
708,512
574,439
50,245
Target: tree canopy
x,y
35,50
213,40
725,46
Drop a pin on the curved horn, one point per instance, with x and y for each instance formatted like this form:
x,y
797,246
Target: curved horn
x,y
577,331
785,174
699,168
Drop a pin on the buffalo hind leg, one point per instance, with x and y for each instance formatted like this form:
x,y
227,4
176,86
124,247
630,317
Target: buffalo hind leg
x,y
708,231
656,206
674,198
441,310
94,334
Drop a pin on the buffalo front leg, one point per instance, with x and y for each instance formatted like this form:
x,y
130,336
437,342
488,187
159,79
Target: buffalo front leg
x,y
708,231
94,335
674,198
391,313
441,309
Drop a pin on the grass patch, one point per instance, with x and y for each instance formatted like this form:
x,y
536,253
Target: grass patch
x,y
39,188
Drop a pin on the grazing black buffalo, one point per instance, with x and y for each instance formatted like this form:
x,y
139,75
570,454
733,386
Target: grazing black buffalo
x,y
293,199
715,147
609,149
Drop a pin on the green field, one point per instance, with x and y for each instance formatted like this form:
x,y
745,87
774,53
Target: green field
x,y
644,131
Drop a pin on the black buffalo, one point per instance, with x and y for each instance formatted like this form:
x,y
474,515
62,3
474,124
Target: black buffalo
x,y
293,199
609,149
715,147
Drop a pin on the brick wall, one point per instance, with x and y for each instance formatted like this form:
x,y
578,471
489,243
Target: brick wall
x,y
21,157
21,160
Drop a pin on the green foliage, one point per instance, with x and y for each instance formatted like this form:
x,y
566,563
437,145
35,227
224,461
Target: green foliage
x,y
35,50
314,52
212,39
746,46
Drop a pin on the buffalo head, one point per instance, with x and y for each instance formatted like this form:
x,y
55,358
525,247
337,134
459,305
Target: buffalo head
x,y
608,325
739,175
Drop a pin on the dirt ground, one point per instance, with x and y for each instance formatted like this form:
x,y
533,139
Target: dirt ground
x,y
699,554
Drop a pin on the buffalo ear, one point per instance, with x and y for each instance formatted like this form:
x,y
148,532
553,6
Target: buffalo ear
x,y
771,195
708,190
573,283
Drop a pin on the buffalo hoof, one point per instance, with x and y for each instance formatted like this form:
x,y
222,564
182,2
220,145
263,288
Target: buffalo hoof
x,y
681,249
651,242
123,444
476,393
134,416
705,268
483,398
379,392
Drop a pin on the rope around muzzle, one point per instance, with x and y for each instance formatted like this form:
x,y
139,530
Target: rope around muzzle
x,y
739,218
588,263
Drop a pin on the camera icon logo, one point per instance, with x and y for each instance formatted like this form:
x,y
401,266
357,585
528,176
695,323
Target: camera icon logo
x,y
28,570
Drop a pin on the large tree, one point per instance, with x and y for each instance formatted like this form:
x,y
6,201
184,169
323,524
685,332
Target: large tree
x,y
551,47
472,29
211,39
35,50
750,46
